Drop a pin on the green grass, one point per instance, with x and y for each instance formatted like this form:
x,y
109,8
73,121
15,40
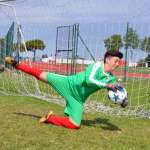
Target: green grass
x,y
20,130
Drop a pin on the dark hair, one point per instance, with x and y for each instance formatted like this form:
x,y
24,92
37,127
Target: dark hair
x,y
113,53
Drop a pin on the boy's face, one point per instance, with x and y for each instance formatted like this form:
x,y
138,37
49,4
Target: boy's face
x,y
112,62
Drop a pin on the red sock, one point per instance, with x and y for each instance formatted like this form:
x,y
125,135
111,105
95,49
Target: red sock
x,y
62,121
29,70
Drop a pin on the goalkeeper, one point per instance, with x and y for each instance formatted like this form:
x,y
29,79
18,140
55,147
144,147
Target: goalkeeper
x,y
75,89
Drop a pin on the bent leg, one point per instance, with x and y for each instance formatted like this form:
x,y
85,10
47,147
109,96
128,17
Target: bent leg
x,y
73,109
62,121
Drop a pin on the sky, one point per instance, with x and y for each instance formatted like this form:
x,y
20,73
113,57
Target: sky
x,y
98,19
87,11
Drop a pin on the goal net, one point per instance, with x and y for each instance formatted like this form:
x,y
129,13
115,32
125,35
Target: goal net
x,y
69,49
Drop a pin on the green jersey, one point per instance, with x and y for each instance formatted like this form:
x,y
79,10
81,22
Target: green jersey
x,y
90,80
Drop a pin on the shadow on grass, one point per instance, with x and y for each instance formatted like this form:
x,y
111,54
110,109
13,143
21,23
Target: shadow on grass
x,y
27,115
102,122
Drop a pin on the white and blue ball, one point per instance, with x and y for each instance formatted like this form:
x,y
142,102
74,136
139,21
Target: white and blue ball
x,y
118,96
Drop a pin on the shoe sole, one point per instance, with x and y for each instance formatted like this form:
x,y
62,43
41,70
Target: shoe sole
x,y
45,118
8,60
42,120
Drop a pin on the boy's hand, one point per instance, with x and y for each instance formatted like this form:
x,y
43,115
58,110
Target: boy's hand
x,y
112,87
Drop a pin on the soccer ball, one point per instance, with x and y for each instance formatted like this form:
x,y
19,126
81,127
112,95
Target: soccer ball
x,y
119,96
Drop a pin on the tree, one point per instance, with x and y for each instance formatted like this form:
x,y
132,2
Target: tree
x,y
131,40
34,45
113,43
2,41
44,56
2,49
147,60
142,62
145,44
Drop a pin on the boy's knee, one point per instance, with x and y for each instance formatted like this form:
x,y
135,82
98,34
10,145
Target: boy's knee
x,y
43,76
73,125
77,127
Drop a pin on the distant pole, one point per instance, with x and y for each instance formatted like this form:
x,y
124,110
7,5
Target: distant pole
x,y
126,54
75,47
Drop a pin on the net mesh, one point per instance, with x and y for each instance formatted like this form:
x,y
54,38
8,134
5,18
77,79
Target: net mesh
x,y
70,49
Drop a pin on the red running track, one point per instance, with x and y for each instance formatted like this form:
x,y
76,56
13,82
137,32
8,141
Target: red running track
x,y
138,75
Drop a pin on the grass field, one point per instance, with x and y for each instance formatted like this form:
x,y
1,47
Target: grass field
x,y
20,129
